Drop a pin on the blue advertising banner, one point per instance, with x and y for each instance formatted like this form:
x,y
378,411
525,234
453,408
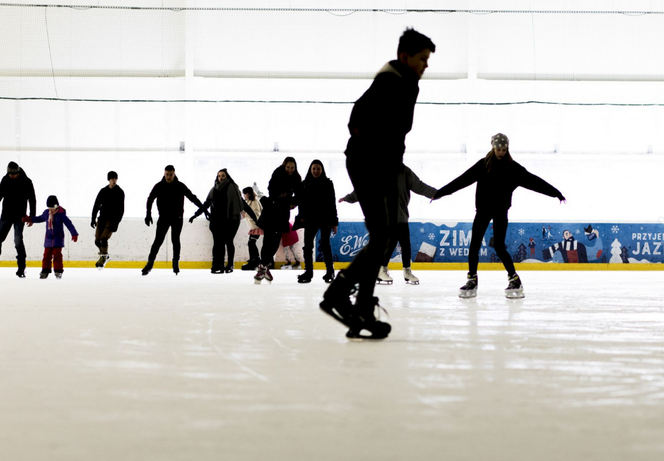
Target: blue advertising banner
x,y
620,243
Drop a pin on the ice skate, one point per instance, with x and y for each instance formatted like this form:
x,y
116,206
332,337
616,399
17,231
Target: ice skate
x,y
43,274
409,277
384,276
329,276
263,273
296,265
229,268
101,262
286,267
216,270
469,290
250,266
20,273
515,289
364,325
336,300
58,275
148,267
176,267
305,277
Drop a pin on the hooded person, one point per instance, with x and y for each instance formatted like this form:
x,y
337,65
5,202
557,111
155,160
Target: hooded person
x,y
56,220
317,212
16,193
226,205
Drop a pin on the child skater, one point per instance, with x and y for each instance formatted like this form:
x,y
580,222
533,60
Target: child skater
x,y
253,204
318,211
55,217
497,176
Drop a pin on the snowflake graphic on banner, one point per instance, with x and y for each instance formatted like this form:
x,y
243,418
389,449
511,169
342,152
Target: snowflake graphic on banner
x,y
522,231
432,236
615,229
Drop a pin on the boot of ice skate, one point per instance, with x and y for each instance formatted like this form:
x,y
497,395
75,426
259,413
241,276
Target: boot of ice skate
x,y
329,275
306,276
148,267
514,288
336,300
409,277
384,276
364,325
469,290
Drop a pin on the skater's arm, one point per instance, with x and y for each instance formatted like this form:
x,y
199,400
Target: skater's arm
x,y
192,198
417,186
471,175
72,230
537,184
37,219
96,207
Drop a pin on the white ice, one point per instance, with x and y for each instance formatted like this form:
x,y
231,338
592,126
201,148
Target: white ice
x,y
110,365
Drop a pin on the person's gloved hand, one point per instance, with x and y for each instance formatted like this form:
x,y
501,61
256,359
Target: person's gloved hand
x,y
191,220
92,223
27,219
74,238
148,219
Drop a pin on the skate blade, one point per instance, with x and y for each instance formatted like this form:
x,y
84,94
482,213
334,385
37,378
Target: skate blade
x,y
410,282
514,294
332,313
384,282
257,281
361,335
467,294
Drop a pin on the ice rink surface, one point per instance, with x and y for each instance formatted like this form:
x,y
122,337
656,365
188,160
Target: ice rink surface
x,y
110,365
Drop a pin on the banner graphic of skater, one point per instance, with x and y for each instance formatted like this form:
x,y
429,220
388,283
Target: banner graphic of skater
x,y
564,243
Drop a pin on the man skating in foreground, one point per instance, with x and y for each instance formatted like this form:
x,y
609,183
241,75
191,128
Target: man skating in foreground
x,y
378,125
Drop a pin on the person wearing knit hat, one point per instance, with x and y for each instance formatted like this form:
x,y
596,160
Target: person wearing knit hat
x,y
110,206
16,193
56,219
497,176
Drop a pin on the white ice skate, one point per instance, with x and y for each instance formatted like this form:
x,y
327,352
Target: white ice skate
x,y
384,276
515,289
409,277
469,290
263,273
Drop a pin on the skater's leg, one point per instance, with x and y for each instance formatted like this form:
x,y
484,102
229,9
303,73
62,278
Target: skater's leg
x,y
217,248
103,238
19,226
309,248
389,252
499,234
480,224
160,235
404,241
326,248
58,267
46,260
271,241
98,232
254,255
176,230
232,225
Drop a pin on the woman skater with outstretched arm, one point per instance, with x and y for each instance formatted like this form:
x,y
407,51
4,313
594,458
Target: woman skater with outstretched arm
x,y
497,176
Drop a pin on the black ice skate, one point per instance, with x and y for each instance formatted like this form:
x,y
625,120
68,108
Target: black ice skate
x,y
250,266
384,277
229,268
515,289
409,277
329,276
364,325
20,273
43,274
101,262
305,277
58,274
469,290
336,300
176,267
148,267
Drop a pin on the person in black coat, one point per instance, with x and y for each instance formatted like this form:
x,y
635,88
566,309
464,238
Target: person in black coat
x,y
318,211
16,193
226,206
274,220
170,194
497,176
379,123
110,206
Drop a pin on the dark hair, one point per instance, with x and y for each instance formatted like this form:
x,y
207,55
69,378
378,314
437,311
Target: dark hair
x,y
288,160
226,173
169,168
488,160
111,175
310,176
412,42
250,192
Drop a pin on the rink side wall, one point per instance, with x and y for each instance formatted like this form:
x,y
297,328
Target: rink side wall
x,y
435,246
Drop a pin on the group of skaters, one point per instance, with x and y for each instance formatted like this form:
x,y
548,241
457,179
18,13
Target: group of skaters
x,y
379,122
